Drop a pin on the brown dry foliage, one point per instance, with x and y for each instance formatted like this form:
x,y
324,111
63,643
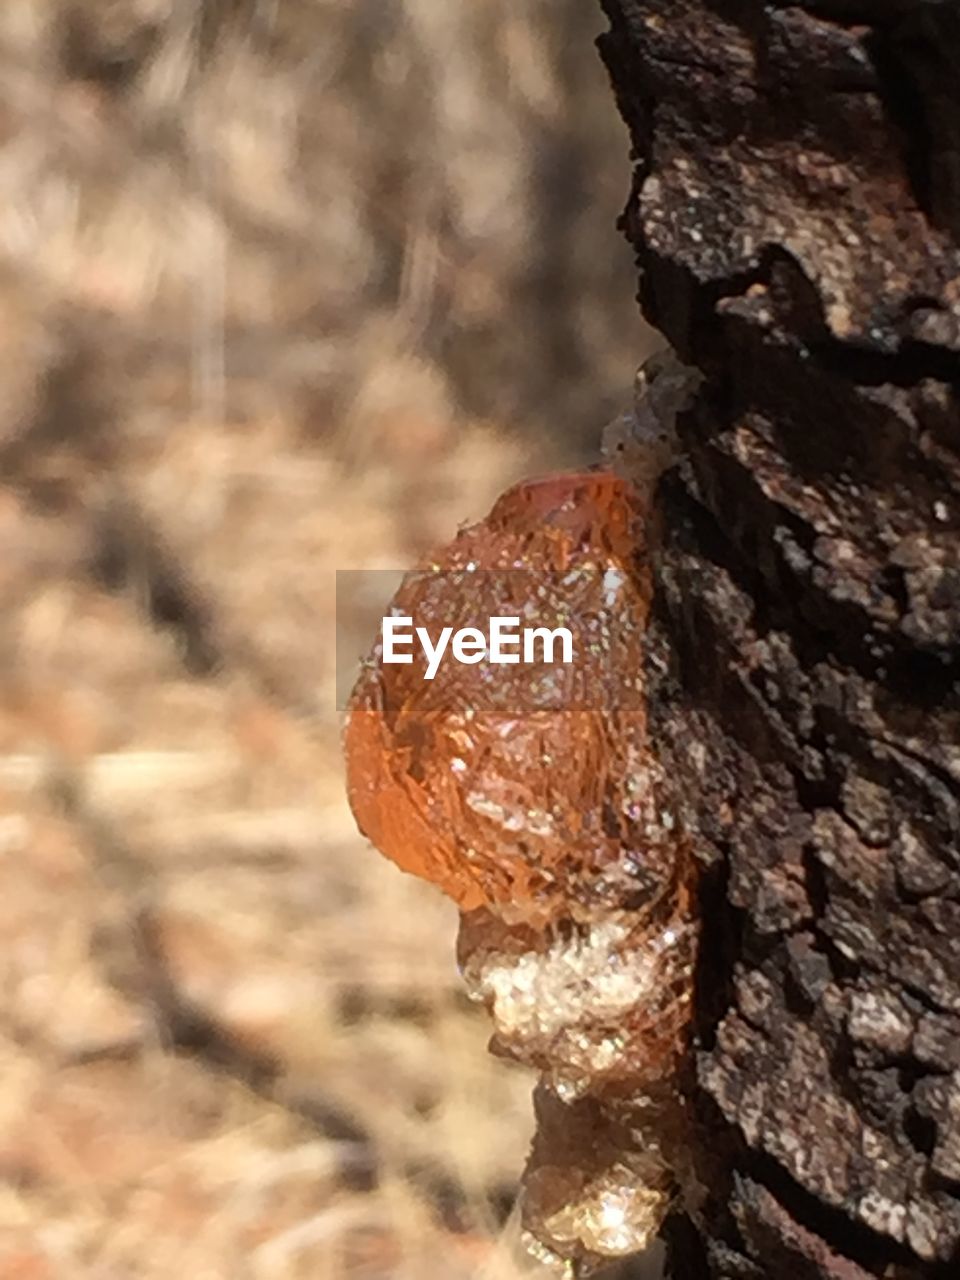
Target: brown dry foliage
x,y
279,293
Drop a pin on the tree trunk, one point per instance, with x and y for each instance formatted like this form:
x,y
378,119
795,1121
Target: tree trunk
x,y
796,215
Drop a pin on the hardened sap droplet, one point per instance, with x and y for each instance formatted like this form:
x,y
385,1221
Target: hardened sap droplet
x,y
532,795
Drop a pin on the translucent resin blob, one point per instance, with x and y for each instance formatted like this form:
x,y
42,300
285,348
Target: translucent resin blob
x,y
530,793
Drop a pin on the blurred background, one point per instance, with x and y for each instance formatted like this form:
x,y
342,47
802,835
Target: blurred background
x,y
286,286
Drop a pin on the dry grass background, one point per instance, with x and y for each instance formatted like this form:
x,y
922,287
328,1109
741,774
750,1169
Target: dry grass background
x,y
285,286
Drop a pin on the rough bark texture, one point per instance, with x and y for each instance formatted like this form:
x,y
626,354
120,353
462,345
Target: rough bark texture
x,y
796,215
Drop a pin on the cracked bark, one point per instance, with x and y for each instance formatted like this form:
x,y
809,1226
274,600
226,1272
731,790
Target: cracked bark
x,y
796,217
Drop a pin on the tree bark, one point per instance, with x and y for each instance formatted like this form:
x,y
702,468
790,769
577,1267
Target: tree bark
x,y
796,217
